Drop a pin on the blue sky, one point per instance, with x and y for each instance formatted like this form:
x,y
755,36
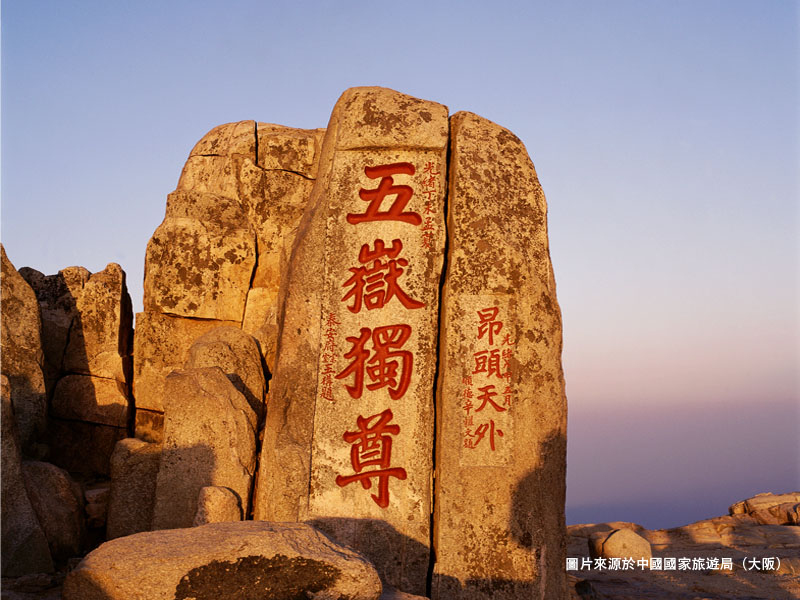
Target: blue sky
x,y
665,134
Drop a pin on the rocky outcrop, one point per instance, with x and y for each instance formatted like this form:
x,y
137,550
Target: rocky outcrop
x,y
57,501
364,279
770,509
87,335
209,440
23,358
220,253
24,545
248,559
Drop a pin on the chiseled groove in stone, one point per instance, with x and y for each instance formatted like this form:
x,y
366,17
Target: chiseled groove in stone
x,y
437,370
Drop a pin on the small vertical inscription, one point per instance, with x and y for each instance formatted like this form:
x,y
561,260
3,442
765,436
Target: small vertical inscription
x,y
487,386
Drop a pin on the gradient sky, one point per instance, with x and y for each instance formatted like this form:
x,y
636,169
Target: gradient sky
x,y
665,135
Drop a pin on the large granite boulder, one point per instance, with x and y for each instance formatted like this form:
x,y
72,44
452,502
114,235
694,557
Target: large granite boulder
x,y
248,559
161,345
501,435
620,543
134,469
362,287
237,354
24,545
58,502
23,358
209,440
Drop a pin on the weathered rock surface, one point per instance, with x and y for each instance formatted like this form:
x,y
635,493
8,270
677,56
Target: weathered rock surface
x,y
161,345
770,509
501,440
134,469
379,144
248,559
24,545
276,192
91,399
237,205
209,440
216,505
57,295
620,543
58,504
87,321
236,353
199,269
23,357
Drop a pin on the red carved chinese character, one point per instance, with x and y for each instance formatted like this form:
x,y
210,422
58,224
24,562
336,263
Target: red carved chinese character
x,y
429,168
507,340
359,356
377,284
487,323
372,447
388,366
486,396
487,361
384,371
480,432
386,188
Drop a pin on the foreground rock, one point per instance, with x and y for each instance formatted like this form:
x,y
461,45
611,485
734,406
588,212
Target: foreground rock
x,y
619,543
248,559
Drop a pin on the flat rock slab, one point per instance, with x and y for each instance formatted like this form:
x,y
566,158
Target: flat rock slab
x,y
248,559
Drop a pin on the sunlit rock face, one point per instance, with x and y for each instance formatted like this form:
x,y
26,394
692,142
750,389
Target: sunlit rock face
x,y
373,306
363,290
23,357
501,407
367,349
220,254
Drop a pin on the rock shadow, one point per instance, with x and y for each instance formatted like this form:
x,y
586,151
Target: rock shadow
x,y
401,561
537,525
182,472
